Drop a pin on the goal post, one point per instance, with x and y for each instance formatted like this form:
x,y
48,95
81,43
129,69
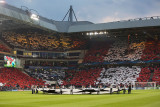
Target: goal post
x,y
144,85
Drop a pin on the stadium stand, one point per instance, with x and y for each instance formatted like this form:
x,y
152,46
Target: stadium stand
x,y
84,77
156,76
16,79
144,75
96,52
46,74
3,48
119,75
42,41
149,74
55,44
151,51
122,51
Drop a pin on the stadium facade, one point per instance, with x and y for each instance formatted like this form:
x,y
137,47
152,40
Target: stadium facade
x,y
78,52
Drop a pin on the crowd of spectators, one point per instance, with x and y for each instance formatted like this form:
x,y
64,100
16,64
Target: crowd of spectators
x,y
13,78
119,75
42,41
144,75
96,52
156,75
82,77
3,48
122,51
151,51
46,74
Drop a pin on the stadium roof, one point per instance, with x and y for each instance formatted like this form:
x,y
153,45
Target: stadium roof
x,y
11,16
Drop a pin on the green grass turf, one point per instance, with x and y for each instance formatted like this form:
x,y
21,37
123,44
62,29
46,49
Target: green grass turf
x,y
138,98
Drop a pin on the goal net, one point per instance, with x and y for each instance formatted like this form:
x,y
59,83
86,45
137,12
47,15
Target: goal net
x,y
144,85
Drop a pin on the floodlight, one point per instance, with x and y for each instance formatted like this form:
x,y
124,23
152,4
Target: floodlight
x,y
91,33
104,32
34,16
2,1
100,33
95,33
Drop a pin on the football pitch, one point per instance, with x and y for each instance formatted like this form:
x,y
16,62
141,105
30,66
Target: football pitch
x,y
138,98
